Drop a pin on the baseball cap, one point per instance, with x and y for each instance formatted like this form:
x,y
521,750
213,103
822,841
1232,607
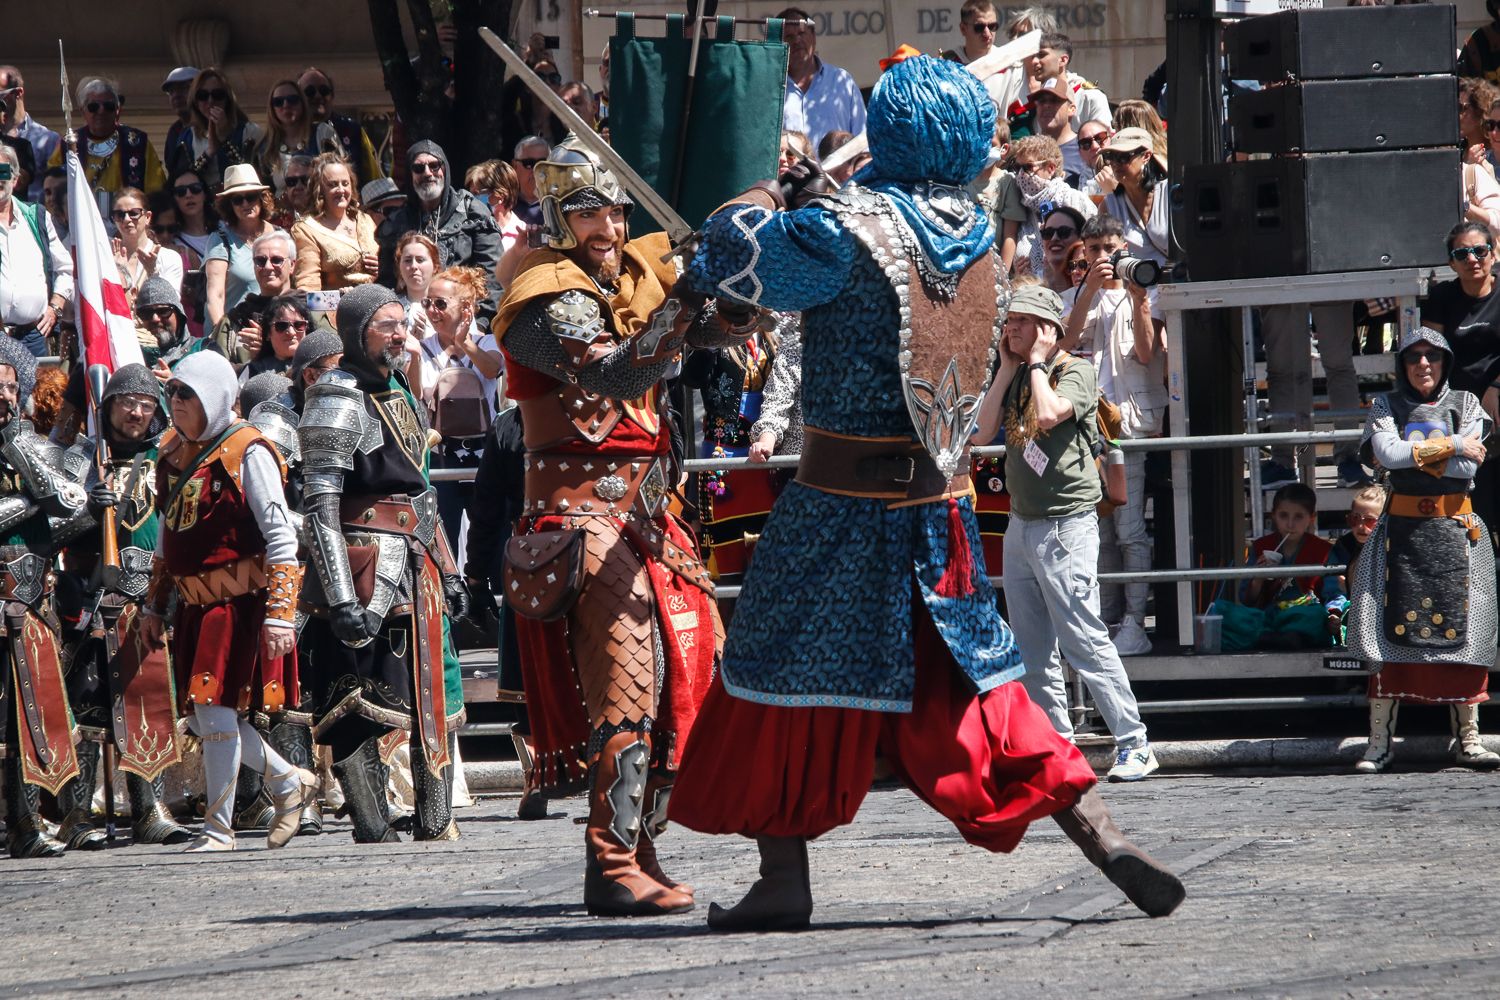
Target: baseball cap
x,y
1057,86
182,74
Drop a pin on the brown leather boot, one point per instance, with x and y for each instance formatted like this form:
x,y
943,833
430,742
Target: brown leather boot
x,y
653,825
1145,881
781,900
613,884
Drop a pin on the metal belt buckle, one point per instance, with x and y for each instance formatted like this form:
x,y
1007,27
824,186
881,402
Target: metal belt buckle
x,y
911,471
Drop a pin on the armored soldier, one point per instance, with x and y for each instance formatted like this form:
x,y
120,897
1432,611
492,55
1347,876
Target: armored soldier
x,y
903,303
119,689
228,549
618,629
377,638
35,723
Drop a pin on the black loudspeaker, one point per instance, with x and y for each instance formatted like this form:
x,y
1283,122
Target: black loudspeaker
x,y
1323,116
1343,42
1318,214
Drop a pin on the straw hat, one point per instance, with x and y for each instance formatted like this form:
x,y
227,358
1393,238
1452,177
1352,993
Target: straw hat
x,y
240,178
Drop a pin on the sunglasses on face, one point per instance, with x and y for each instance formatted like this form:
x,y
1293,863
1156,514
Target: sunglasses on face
x,y
263,260
427,167
314,92
287,326
1030,168
553,78
1058,232
216,94
1093,140
176,390
1492,125
184,190
531,161
121,214
1363,520
1417,357
1479,252
436,302
245,199
1116,158
94,107
1078,265
154,312
286,100
298,180
986,27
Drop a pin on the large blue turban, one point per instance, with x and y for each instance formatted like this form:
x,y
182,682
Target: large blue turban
x,y
929,119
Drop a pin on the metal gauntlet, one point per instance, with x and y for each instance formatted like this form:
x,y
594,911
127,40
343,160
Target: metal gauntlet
x,y
323,537
46,483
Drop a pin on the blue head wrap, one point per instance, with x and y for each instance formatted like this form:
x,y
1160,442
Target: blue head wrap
x,y
931,120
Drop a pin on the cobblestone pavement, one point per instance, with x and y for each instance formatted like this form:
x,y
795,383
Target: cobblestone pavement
x,y
1299,886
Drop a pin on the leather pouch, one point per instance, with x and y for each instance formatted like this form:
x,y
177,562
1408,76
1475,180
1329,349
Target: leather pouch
x,y
362,568
543,573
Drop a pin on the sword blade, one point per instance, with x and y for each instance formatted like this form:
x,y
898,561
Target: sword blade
x,y
645,195
67,101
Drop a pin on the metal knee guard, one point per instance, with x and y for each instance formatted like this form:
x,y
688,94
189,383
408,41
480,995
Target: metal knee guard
x,y
434,794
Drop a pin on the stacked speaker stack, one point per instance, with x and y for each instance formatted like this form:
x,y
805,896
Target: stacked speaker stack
x,y
1358,108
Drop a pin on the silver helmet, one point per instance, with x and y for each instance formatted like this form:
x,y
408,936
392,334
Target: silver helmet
x,y
568,180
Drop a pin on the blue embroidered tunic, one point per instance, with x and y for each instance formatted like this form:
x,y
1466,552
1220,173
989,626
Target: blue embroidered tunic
x,y
825,616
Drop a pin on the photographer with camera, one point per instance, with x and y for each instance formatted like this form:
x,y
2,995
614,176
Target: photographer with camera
x,y
1139,200
1113,316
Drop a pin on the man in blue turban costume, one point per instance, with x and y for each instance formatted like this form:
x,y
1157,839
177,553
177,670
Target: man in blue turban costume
x,y
866,623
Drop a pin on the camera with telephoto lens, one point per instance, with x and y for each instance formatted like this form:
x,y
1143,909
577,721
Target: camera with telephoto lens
x,y
1141,271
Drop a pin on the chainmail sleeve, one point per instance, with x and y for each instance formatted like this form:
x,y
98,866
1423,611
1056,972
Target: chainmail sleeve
x,y
573,351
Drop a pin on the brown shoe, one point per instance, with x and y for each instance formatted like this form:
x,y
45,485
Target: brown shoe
x,y
1145,881
781,900
614,884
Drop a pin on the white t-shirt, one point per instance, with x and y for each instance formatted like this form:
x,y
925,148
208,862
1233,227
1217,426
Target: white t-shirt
x,y
1108,340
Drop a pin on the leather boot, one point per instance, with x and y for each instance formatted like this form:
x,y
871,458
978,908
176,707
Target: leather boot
x,y
780,900
1382,748
294,742
362,777
613,884
76,800
653,825
25,834
150,823
433,819
1468,750
252,802
1145,881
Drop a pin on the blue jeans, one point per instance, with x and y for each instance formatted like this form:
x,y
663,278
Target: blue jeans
x,y
33,340
1052,594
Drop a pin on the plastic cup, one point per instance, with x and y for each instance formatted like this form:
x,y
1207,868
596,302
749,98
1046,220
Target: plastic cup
x,y
1274,558
1208,634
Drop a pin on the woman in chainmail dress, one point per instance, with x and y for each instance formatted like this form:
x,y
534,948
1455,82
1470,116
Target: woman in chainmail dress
x,y
1423,611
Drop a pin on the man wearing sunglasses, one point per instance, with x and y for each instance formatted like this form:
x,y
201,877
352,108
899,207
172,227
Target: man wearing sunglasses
x,y
35,726
239,335
317,87
36,270
979,24
176,87
16,123
134,418
529,152
114,156
381,570
459,223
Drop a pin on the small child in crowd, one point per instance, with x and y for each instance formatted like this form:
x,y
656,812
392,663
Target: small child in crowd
x,y
1294,511
1364,514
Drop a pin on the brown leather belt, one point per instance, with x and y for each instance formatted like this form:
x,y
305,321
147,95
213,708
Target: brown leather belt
x,y
898,469
394,515
223,583
595,484
1446,505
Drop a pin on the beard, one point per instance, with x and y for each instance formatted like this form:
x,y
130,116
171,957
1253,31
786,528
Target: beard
x,y
605,273
392,358
429,190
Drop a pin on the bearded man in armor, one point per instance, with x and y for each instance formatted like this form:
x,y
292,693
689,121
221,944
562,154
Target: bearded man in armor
x,y
36,726
119,689
377,637
882,632
618,630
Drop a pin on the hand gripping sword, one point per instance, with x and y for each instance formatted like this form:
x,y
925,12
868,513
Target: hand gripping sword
x,y
678,231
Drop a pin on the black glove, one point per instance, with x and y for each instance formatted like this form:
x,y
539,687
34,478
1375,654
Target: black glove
x,y
457,595
803,181
350,624
101,497
692,300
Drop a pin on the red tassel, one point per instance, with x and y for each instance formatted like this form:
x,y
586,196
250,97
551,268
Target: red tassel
x,y
958,577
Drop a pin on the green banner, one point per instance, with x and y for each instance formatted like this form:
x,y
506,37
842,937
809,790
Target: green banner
x,y
734,137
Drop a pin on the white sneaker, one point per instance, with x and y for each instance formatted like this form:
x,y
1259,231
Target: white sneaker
x,y
1134,763
1131,640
